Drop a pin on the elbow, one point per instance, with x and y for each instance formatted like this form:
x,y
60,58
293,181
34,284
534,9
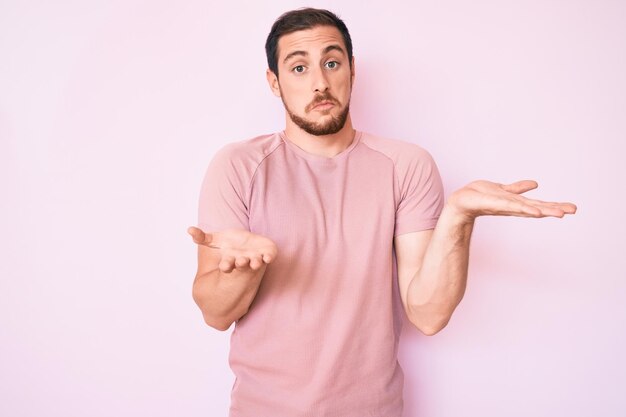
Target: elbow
x,y
222,323
431,318
429,326
217,324
430,330
216,321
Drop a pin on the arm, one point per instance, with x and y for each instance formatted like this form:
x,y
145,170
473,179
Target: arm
x,y
432,269
432,265
231,265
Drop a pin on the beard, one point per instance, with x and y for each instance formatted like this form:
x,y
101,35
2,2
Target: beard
x,y
332,126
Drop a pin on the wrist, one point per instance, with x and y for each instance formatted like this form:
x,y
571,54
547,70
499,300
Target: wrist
x,y
456,215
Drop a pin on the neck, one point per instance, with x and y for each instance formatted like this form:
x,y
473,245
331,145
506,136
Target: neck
x,y
326,145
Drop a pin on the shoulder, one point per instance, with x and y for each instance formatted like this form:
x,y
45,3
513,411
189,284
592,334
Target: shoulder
x,y
252,150
403,153
246,155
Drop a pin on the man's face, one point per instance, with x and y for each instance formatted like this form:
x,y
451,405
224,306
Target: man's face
x,y
315,79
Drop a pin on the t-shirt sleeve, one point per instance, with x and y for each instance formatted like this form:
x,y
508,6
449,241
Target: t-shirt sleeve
x,y
421,194
223,203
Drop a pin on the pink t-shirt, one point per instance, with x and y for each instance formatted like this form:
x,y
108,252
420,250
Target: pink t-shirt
x,y
321,336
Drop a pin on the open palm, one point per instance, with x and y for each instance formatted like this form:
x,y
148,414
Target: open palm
x,y
480,198
238,248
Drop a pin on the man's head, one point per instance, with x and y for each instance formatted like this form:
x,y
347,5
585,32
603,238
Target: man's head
x,y
302,19
311,49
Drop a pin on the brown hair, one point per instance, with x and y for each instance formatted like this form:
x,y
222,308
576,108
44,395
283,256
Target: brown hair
x,y
301,19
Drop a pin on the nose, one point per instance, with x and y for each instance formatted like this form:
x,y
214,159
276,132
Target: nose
x,y
319,81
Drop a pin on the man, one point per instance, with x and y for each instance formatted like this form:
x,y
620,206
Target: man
x,y
317,239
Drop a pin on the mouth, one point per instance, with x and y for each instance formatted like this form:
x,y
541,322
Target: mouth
x,y
324,105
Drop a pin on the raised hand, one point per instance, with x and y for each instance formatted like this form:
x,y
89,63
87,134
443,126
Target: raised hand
x,y
238,248
481,198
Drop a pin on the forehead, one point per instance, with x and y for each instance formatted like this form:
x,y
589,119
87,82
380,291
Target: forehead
x,y
310,40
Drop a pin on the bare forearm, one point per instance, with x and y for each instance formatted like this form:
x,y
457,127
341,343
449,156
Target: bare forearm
x,y
438,287
226,297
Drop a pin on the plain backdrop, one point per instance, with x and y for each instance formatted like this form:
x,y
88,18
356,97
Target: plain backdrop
x,y
110,112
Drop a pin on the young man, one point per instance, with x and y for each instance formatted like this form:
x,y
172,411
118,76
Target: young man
x,y
317,239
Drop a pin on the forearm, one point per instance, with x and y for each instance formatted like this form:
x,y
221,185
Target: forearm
x,y
438,286
225,297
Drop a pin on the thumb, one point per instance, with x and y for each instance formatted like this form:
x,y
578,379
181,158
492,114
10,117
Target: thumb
x,y
199,236
520,187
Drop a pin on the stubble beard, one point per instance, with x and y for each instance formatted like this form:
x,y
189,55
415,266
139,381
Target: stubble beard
x,y
332,126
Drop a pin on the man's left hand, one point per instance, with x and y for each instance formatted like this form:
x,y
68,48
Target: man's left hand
x,y
485,198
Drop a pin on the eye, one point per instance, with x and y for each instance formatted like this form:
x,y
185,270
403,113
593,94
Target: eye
x,y
332,64
298,69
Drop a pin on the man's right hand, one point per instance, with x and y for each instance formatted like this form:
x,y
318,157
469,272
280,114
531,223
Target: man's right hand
x,y
239,249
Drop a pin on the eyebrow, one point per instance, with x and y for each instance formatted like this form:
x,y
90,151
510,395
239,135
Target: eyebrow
x,y
305,53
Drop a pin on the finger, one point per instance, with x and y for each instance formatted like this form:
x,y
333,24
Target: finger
x,y
193,231
201,238
551,211
520,187
242,262
256,262
548,209
530,211
197,234
537,211
227,264
514,207
567,208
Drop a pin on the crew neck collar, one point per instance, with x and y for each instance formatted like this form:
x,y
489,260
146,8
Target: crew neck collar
x,y
319,158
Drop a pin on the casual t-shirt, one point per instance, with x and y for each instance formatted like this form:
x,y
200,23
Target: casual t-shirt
x,y
321,337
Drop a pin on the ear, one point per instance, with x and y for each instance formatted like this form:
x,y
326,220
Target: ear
x,y
272,80
352,72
